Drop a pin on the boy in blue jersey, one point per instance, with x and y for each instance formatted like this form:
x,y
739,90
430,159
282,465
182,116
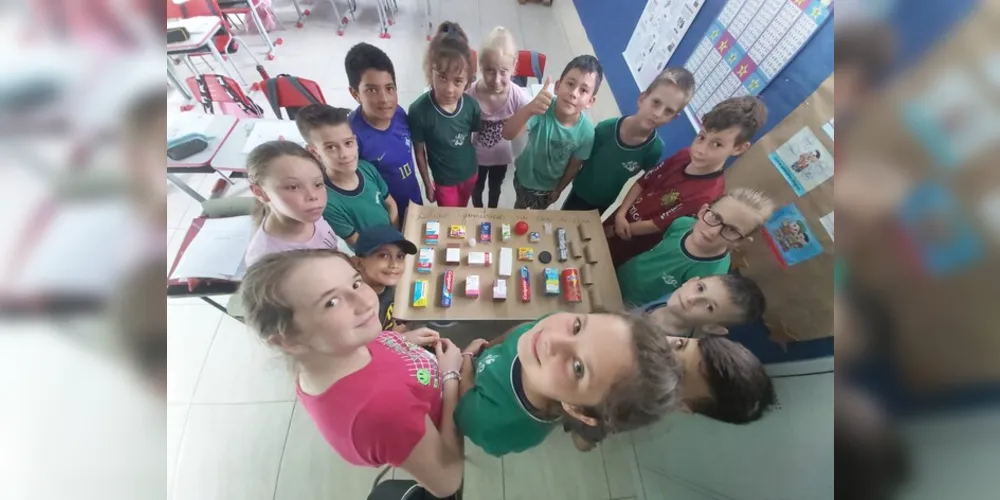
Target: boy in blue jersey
x,y
379,123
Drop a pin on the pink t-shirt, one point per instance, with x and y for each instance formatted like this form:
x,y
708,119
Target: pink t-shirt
x,y
491,147
323,237
375,416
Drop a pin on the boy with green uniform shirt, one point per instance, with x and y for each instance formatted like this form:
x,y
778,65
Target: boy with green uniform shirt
x,y
560,136
694,246
610,371
626,145
357,196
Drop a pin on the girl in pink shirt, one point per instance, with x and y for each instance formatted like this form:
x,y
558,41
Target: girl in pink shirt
x,y
377,397
288,184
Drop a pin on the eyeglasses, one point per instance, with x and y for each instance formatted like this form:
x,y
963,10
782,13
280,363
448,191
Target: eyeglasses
x,y
729,233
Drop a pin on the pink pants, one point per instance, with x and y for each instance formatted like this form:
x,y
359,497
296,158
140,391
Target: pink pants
x,y
457,195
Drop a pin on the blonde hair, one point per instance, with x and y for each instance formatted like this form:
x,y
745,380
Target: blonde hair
x,y
680,78
754,199
267,311
499,42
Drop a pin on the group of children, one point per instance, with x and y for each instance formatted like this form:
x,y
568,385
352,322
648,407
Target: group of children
x,y
594,374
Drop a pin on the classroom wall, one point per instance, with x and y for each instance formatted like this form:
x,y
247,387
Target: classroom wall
x,y
609,25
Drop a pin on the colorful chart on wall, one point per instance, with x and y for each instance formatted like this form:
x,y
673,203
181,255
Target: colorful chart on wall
x,y
789,237
746,47
661,27
803,161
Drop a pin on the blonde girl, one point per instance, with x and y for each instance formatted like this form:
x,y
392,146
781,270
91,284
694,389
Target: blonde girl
x,y
498,100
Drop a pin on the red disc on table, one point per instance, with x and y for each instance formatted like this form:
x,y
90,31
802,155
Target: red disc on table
x,y
520,228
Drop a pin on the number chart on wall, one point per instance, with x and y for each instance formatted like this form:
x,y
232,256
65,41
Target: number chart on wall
x,y
747,45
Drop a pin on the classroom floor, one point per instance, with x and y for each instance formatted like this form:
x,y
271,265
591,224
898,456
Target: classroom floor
x,y
235,429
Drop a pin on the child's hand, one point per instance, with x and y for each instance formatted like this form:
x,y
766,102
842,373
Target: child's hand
x,y
476,346
423,336
554,196
540,104
430,193
622,227
448,355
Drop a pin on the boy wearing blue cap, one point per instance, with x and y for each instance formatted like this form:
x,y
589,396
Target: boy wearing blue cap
x,y
380,257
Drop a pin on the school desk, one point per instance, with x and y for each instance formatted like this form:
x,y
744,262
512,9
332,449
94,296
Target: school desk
x,y
231,158
201,29
218,130
208,289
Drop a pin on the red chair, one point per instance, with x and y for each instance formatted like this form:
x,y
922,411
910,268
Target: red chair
x,y
220,94
528,64
291,93
248,8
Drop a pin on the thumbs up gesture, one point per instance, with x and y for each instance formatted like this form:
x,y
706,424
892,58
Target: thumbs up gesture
x,y
540,104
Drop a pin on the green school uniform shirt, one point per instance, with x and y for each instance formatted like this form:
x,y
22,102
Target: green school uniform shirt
x,y
612,163
663,269
451,157
549,148
490,414
350,212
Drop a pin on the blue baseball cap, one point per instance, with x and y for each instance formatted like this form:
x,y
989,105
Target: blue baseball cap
x,y
374,237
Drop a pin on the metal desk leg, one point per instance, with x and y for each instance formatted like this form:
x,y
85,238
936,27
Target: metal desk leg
x,y
184,187
176,81
222,62
260,27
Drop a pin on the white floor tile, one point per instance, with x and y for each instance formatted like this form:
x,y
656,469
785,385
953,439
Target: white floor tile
x,y
232,451
620,464
190,330
555,470
241,369
176,419
311,470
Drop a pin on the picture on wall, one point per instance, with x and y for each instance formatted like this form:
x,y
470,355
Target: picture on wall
x,y
661,26
747,45
938,232
789,237
803,161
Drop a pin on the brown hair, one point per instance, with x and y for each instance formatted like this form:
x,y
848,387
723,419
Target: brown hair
x,y
259,162
741,389
449,53
315,116
652,390
266,310
748,113
680,78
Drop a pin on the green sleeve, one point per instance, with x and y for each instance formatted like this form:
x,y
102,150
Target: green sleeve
x,y
413,120
653,153
582,151
470,411
477,116
338,220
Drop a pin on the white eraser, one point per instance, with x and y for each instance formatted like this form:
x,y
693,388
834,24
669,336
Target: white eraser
x,y
506,262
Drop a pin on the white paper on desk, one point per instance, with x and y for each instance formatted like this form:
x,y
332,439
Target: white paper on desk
x,y
179,124
217,250
277,130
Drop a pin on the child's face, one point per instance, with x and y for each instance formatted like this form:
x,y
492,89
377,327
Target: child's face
x,y
714,147
293,188
726,222
377,94
575,91
448,87
660,105
384,266
695,384
496,71
336,148
576,358
335,311
704,303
